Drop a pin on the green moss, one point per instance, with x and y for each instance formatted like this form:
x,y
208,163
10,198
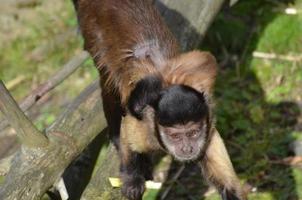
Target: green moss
x,y
2,178
297,173
282,35
261,195
297,135
214,196
150,194
105,196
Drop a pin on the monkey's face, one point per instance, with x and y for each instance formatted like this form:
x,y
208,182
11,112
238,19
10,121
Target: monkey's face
x,y
181,115
184,141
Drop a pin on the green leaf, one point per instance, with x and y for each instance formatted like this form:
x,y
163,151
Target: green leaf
x,y
256,113
241,124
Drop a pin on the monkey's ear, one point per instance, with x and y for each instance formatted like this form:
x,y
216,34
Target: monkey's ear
x,y
146,92
196,69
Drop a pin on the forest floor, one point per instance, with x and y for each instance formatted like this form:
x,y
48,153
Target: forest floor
x,y
258,99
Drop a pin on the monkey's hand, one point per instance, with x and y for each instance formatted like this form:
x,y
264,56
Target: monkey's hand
x,y
146,92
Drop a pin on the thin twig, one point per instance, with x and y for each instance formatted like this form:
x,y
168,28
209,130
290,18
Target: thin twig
x,y
291,161
26,131
273,56
185,189
173,181
233,2
234,144
40,53
13,83
50,84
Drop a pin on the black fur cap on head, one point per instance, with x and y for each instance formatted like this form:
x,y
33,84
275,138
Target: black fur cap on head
x,y
180,104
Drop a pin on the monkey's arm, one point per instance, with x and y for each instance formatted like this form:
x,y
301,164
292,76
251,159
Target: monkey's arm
x,y
146,92
136,141
217,168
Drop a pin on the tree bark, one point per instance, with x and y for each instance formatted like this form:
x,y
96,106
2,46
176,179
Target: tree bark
x,y
189,20
34,170
99,187
27,132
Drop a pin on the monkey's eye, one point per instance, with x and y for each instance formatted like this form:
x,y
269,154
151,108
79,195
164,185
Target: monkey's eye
x,y
175,136
193,134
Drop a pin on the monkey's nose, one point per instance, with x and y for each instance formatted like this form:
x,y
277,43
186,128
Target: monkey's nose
x,y
187,149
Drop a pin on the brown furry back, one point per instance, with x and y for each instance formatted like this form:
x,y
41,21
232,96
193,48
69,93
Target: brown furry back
x,y
195,69
125,37
129,40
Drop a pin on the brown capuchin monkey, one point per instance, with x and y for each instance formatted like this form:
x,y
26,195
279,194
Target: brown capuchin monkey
x,y
163,94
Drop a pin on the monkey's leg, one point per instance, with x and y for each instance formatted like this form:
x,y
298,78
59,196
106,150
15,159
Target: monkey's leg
x,y
134,167
113,114
218,169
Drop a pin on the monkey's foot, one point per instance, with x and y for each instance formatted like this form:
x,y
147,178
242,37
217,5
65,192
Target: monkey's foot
x,y
230,195
134,188
148,170
148,175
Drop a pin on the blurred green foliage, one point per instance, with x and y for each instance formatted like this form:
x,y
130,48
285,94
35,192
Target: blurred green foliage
x,y
39,41
257,98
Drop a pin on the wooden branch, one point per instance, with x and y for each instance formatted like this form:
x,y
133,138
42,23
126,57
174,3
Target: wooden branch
x,y
173,180
50,84
190,19
33,171
13,83
41,52
233,2
100,187
273,56
55,80
26,131
20,3
291,161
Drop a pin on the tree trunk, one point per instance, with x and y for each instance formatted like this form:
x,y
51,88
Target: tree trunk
x,y
189,20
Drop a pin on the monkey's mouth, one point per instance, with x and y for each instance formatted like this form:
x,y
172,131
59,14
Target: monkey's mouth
x,y
186,157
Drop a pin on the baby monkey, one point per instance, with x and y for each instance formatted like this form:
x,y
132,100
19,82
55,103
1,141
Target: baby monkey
x,y
163,94
187,134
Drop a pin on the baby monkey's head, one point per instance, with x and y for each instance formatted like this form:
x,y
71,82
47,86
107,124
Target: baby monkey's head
x,y
182,119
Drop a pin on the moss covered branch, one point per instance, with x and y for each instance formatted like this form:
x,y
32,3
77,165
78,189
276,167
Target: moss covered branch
x,y
34,170
26,131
